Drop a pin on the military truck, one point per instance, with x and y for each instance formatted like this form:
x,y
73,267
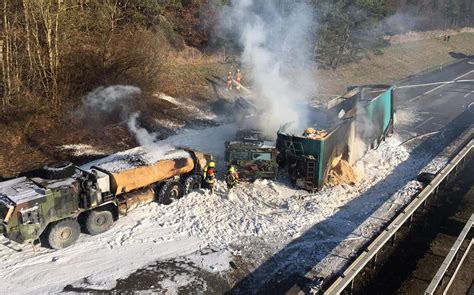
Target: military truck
x,y
54,203
254,155
344,129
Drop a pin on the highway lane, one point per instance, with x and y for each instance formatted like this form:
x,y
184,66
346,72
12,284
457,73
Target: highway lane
x,y
439,108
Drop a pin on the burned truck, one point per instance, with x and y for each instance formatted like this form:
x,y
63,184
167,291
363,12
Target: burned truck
x,y
52,204
343,130
254,155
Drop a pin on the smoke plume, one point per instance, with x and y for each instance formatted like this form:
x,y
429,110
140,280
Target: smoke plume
x,y
108,99
117,100
143,137
276,39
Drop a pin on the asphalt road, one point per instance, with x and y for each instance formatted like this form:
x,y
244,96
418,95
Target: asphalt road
x,y
443,107
429,119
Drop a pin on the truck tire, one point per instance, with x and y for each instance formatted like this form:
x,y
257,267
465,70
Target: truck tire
x,y
171,190
63,233
98,221
192,183
59,170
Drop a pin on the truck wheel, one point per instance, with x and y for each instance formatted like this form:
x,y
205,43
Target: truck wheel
x,y
59,170
171,190
63,233
98,221
192,183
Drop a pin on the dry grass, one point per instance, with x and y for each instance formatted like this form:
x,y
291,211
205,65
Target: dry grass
x,y
396,62
185,74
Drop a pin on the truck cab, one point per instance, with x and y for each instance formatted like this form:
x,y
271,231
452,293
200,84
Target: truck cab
x,y
46,205
253,155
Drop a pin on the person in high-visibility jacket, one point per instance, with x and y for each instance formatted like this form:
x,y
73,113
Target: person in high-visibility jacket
x,y
238,78
231,177
229,81
210,176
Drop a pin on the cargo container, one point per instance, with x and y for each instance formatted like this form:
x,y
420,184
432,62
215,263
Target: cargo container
x,y
345,129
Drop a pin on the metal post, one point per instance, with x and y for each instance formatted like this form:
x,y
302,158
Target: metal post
x,y
374,262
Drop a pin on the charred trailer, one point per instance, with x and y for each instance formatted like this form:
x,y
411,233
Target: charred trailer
x,y
55,204
254,155
344,130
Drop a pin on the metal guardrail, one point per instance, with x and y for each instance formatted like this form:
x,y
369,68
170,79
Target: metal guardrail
x,y
449,258
347,277
468,249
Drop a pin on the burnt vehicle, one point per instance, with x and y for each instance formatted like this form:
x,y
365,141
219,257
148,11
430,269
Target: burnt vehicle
x,y
254,155
342,130
53,204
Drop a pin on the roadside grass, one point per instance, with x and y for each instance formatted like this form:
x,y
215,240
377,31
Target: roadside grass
x,y
396,62
28,141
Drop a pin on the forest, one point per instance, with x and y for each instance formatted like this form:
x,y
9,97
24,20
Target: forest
x,y
54,51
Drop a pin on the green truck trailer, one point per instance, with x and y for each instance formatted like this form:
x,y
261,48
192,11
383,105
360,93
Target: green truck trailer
x,y
356,121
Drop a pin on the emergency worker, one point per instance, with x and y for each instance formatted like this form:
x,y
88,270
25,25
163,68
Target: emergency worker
x,y
210,176
229,81
231,177
238,78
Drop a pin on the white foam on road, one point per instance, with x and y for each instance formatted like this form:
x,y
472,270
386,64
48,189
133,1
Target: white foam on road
x,y
262,212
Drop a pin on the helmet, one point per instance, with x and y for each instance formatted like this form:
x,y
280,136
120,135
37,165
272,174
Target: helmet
x,y
231,169
212,164
238,70
230,73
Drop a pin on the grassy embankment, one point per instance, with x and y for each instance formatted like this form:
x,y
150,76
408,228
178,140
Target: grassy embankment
x,y
31,142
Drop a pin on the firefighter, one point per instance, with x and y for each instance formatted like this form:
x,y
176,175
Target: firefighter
x,y
210,176
232,177
229,81
238,78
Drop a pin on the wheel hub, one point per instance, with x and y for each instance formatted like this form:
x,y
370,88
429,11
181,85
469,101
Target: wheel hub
x,y
174,193
100,220
65,234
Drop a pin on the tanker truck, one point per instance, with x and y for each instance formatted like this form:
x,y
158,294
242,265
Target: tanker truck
x,y
51,205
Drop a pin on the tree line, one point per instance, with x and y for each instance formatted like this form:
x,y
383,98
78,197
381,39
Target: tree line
x,y
54,49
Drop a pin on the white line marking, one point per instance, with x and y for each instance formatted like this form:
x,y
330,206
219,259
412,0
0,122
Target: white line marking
x,y
440,86
469,107
469,93
423,123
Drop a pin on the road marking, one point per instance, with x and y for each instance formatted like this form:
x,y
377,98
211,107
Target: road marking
x,y
423,123
469,93
440,86
471,105
471,62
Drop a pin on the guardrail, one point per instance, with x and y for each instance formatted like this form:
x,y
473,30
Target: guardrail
x,y
449,259
347,277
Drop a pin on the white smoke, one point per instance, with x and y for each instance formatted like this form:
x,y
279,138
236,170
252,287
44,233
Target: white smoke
x,y
277,39
143,137
107,99
118,98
